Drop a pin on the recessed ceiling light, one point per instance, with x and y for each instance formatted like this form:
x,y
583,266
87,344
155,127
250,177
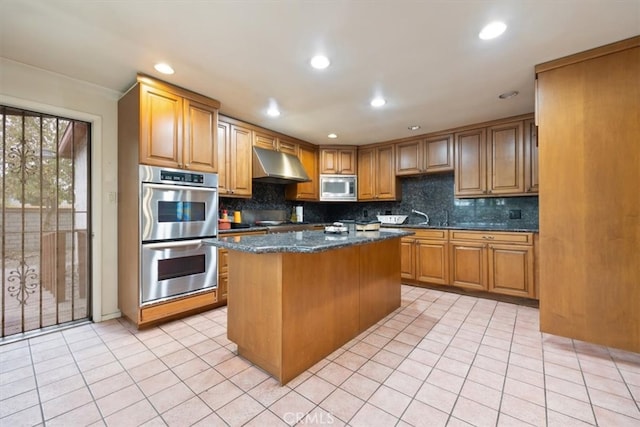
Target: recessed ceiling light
x,y
273,112
492,30
414,127
320,62
332,136
378,102
508,95
163,68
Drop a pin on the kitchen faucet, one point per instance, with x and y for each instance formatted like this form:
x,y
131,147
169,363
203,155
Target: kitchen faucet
x,y
423,214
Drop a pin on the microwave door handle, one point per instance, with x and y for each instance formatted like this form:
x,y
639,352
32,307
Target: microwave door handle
x,y
189,244
172,187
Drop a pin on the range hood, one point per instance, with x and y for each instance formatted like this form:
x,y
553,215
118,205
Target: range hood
x,y
277,168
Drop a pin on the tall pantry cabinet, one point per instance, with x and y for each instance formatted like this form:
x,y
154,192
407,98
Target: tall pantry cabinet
x,y
588,111
167,126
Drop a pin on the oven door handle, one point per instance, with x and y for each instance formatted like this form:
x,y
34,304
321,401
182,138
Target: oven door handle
x,y
172,187
185,244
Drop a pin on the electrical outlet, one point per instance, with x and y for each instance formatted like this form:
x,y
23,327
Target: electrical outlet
x,y
515,214
365,213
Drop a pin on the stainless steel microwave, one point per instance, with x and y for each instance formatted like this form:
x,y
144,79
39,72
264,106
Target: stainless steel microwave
x,y
338,188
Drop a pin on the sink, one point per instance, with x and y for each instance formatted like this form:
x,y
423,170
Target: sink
x,y
392,219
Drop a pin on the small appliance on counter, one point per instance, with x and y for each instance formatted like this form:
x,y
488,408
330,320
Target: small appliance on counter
x,y
367,225
336,228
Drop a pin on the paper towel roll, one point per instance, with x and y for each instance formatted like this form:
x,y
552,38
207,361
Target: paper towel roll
x,y
299,213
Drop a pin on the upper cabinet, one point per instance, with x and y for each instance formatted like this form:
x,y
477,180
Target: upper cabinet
x,y
426,155
338,160
376,173
265,139
470,163
505,158
308,191
493,160
530,156
178,128
234,152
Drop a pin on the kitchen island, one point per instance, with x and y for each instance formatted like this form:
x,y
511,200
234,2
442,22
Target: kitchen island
x,y
294,298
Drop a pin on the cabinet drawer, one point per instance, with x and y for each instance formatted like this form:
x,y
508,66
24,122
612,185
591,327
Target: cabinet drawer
x,y
431,234
493,236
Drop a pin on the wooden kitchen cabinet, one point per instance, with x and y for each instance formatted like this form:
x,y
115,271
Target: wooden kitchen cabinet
x,y
498,262
588,130
505,158
338,160
493,161
428,155
425,256
235,152
271,141
470,163
177,127
307,191
530,156
376,173
288,146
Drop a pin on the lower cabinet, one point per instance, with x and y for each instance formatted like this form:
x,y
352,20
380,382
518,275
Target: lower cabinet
x,y
425,257
497,262
469,266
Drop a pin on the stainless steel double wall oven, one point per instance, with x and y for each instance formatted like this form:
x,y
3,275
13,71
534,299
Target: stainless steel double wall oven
x,y
178,209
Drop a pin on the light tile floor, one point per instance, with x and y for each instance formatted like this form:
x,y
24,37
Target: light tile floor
x,y
440,359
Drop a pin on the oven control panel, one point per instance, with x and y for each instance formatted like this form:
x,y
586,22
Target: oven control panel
x,y
186,177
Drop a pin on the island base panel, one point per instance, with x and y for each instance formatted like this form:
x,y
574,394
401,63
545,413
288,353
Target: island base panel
x,y
290,310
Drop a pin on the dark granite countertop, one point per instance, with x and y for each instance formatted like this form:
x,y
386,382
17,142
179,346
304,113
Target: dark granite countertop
x,y
302,241
243,230
479,226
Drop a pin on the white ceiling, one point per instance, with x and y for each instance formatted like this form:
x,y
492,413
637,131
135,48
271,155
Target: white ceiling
x,y
423,56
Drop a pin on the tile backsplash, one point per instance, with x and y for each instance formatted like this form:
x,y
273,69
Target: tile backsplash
x,y
431,194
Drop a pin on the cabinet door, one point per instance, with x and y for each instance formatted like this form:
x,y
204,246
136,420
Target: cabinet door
x,y
224,138
160,127
386,173
409,157
347,161
505,159
432,261
438,154
530,156
407,258
366,174
265,140
287,146
511,270
239,155
329,161
468,262
200,139
306,190
338,161
470,163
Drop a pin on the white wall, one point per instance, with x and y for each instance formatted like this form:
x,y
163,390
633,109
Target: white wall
x,y
39,90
